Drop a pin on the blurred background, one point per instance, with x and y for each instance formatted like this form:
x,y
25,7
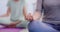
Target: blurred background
x,y
3,6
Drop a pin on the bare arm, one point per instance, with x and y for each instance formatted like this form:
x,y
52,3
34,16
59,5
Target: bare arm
x,y
38,13
24,11
27,17
8,11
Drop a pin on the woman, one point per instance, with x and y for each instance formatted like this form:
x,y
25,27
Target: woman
x,y
17,10
51,19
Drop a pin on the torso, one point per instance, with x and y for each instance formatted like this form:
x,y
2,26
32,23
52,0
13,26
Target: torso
x,y
17,9
52,10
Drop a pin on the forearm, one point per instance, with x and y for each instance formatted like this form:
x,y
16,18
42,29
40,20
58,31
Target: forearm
x,y
37,15
24,11
8,11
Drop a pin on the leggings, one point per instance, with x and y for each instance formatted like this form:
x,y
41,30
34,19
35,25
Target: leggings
x,y
38,26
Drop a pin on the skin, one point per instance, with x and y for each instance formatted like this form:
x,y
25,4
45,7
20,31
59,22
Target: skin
x,y
35,16
27,17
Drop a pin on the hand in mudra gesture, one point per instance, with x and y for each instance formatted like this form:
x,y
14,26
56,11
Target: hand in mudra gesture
x,y
29,17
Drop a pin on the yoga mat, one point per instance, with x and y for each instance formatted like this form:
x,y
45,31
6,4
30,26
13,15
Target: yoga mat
x,y
10,30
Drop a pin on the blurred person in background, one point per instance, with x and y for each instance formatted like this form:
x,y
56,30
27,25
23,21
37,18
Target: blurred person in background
x,y
17,13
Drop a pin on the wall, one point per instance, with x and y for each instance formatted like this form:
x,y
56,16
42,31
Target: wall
x,y
3,6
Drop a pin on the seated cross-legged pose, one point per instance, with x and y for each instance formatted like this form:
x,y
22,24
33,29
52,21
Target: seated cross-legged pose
x,y
16,9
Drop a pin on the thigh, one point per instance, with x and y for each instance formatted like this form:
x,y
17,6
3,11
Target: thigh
x,y
37,26
5,20
22,24
57,27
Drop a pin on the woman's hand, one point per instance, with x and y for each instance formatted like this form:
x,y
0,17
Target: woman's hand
x,y
29,17
36,15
